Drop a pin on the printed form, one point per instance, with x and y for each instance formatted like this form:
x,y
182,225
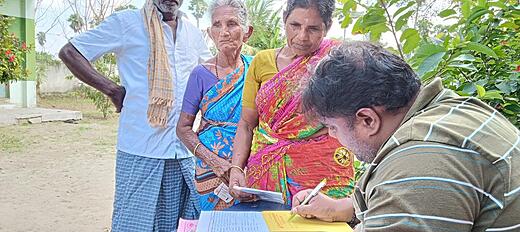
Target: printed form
x,y
222,221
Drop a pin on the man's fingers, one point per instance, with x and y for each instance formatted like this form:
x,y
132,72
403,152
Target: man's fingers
x,y
304,210
312,200
326,219
296,201
299,197
119,98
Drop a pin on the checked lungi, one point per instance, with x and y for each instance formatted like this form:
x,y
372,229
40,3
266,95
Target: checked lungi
x,y
152,194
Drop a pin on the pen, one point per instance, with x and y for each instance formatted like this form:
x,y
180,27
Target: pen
x,y
314,192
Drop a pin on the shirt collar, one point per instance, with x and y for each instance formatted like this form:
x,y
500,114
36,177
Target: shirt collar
x,y
426,95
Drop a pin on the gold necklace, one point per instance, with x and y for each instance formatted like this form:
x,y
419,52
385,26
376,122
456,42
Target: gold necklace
x,y
216,64
278,54
276,58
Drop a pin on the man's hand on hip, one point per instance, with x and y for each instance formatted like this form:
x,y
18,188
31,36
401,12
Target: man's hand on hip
x,y
117,96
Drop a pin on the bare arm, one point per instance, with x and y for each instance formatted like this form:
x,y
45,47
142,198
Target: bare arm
x,y
241,149
244,136
190,139
83,70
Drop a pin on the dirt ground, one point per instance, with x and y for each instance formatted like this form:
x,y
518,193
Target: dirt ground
x,y
58,176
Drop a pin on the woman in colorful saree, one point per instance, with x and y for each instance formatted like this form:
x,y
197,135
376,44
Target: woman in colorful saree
x,y
276,148
215,88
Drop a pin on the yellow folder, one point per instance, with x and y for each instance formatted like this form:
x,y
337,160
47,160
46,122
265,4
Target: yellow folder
x,y
277,221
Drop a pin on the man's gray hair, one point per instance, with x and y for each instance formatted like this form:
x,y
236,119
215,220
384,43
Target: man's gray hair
x,y
238,5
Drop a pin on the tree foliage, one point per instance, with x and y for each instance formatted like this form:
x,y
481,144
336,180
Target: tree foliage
x,y
125,7
267,25
476,48
107,66
83,19
76,22
198,9
12,53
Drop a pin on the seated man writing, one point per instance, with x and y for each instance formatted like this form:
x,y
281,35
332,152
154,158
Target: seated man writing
x,y
438,161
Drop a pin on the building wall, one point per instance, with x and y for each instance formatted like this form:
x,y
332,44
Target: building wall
x,y
56,81
23,26
24,92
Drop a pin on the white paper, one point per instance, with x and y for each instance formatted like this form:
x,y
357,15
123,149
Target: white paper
x,y
275,197
231,221
222,192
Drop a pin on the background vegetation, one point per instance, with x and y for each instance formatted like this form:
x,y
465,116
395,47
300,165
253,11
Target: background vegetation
x,y
12,52
474,46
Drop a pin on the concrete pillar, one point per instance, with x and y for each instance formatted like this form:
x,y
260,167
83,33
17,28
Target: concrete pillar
x,y
4,91
23,93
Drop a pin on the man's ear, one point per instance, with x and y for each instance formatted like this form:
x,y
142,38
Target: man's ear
x,y
368,121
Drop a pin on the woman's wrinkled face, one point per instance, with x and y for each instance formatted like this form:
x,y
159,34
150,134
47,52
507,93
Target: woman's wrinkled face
x,y
226,31
305,30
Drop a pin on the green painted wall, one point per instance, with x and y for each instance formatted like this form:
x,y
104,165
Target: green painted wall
x,y
24,29
23,26
18,8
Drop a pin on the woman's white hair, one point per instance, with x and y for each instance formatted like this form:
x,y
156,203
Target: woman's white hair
x,y
238,5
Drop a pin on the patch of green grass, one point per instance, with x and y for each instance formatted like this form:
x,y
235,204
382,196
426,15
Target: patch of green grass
x,y
71,101
74,101
10,143
84,128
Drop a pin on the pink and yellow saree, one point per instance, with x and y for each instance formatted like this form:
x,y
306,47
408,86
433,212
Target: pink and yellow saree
x,y
287,153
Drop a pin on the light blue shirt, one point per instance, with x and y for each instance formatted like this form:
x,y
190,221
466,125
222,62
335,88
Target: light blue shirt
x,y
124,33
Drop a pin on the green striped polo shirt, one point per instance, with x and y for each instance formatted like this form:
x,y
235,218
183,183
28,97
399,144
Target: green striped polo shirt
x,y
452,165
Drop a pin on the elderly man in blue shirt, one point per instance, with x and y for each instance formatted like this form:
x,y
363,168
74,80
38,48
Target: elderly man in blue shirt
x,y
156,49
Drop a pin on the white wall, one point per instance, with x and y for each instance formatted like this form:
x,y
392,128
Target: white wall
x,y
55,81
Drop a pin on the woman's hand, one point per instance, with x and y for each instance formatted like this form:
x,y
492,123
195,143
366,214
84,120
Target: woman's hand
x,y
237,178
185,133
241,150
323,207
221,168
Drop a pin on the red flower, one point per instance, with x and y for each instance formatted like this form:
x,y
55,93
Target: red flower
x,y
24,46
518,68
8,52
11,58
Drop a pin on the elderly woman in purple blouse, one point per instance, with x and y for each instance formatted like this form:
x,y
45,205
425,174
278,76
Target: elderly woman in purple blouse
x,y
215,88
